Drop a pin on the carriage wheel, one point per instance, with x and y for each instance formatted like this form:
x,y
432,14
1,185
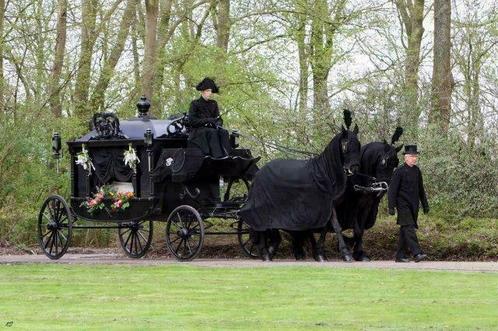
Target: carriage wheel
x,y
55,227
245,240
184,233
237,190
135,238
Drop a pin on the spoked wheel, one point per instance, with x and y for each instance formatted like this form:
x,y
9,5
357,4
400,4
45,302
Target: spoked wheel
x,y
245,240
184,233
236,190
136,237
55,227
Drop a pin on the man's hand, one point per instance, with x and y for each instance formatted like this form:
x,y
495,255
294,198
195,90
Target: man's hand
x,y
391,211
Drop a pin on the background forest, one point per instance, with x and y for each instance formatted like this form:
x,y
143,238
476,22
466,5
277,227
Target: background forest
x,y
285,68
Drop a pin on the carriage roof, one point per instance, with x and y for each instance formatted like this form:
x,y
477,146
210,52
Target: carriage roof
x,y
134,129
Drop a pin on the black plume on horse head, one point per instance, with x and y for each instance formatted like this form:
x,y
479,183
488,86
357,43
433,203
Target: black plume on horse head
x,y
397,134
348,119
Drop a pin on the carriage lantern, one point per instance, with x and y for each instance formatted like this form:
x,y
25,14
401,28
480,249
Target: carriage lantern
x,y
148,137
56,145
56,148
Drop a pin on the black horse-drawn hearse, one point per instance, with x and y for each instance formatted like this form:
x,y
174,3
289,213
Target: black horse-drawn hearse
x,y
131,173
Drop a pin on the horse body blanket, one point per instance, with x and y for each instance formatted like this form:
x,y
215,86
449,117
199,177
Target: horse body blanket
x,y
294,195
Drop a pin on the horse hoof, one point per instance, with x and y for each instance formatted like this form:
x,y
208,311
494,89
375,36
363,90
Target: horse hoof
x,y
347,258
300,257
320,258
361,257
265,256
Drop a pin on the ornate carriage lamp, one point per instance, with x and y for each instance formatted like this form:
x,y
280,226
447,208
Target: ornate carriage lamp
x,y
56,148
148,136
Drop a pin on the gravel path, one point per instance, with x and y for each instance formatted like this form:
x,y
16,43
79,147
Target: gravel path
x,y
110,258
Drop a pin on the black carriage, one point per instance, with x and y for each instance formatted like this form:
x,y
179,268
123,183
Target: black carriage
x,y
134,172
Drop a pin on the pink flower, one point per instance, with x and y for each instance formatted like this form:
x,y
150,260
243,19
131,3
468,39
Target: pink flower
x,y
92,203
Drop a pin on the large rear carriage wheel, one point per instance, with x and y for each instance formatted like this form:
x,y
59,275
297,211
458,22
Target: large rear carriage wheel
x,y
136,237
184,233
55,230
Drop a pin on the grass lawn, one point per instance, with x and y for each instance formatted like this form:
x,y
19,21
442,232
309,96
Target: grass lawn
x,y
51,296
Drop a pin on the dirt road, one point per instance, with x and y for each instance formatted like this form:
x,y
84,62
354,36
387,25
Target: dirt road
x,y
114,258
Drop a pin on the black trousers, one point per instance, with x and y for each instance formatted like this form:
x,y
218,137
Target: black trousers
x,y
408,241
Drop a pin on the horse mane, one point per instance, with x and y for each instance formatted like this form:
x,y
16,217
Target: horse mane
x,y
331,162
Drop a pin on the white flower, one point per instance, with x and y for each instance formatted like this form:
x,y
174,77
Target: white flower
x,y
84,160
169,161
130,158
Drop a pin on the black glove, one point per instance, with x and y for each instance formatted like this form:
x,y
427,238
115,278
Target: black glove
x,y
391,211
426,210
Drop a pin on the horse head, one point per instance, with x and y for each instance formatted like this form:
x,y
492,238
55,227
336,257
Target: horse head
x,y
350,146
380,159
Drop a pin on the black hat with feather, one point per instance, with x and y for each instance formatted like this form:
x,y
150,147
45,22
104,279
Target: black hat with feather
x,y
207,83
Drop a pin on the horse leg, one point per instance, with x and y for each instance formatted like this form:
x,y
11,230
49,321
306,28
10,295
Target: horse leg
x,y
358,253
297,244
318,248
259,240
274,240
345,252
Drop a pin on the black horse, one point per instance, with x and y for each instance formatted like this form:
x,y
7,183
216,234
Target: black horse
x,y
357,209
298,195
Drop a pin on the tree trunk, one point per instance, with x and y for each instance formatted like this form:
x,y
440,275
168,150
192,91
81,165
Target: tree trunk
x,y
2,82
164,35
300,37
88,18
60,47
442,79
412,16
321,52
324,24
108,69
39,46
222,24
150,58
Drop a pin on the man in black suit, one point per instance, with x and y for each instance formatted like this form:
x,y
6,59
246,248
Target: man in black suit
x,y
405,192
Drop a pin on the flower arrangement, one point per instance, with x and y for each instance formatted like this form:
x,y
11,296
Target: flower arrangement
x,y
108,200
130,158
83,159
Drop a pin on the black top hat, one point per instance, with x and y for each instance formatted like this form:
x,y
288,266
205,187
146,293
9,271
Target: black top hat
x,y
410,149
207,83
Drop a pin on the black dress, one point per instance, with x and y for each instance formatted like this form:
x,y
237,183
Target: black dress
x,y
206,131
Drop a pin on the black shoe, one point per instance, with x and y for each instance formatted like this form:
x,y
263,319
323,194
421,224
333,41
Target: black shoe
x,y
419,257
402,259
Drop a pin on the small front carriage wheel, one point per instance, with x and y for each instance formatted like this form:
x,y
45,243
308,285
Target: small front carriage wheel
x,y
55,227
184,233
135,237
